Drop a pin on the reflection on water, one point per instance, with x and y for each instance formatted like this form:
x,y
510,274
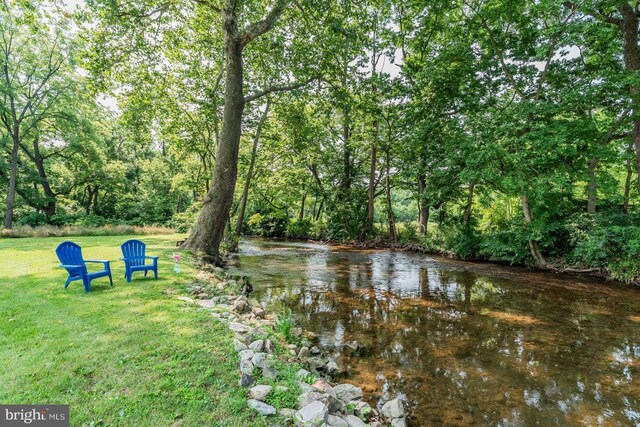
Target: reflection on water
x,y
464,343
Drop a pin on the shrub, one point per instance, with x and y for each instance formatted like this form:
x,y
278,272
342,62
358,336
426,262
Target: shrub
x,y
299,229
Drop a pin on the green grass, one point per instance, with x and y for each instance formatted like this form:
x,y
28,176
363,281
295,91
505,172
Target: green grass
x,y
132,355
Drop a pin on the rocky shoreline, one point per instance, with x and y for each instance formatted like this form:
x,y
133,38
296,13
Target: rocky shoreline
x,y
260,345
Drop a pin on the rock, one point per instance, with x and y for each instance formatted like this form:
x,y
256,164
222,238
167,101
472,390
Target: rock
x,y
310,335
305,388
316,364
202,295
259,313
257,345
186,299
304,353
287,413
246,381
313,414
241,307
350,347
239,327
269,373
332,368
259,359
363,410
347,392
353,421
246,354
246,367
206,303
305,398
260,392
335,404
282,389
393,409
238,345
293,348
399,422
302,374
336,421
269,347
261,407
322,386
315,350
296,332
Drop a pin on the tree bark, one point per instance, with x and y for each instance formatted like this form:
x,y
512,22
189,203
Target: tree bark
x,y
208,232
533,244
392,222
423,204
304,199
467,210
13,175
247,183
49,207
372,179
629,28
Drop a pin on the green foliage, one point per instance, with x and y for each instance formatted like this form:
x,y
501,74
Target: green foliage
x,y
285,324
299,229
268,224
608,242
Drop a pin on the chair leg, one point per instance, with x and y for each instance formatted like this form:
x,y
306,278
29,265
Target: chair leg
x,y
110,280
66,284
155,272
145,273
87,284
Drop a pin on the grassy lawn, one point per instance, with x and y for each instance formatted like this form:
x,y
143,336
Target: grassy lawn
x,y
132,355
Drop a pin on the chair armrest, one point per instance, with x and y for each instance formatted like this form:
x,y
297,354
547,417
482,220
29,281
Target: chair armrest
x,y
103,261
152,257
71,266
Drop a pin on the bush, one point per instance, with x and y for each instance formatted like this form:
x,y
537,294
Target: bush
x,y
464,241
269,224
607,242
299,229
32,219
408,232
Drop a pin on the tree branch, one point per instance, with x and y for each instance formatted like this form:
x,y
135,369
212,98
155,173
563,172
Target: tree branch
x,y
272,89
257,29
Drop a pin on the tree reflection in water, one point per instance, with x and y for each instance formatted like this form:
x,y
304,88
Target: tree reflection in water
x,y
465,343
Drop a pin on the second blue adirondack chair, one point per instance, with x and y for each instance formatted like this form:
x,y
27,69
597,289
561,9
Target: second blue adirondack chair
x,y
134,258
70,256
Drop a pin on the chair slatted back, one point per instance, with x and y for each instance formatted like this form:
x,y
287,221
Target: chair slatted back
x,y
70,253
134,250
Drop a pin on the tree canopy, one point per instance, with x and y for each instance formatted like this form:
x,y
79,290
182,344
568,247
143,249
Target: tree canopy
x,y
488,129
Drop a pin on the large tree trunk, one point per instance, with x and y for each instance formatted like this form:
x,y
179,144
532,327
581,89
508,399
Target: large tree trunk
x,y
304,199
50,196
467,210
423,205
533,244
631,53
247,183
592,187
392,222
206,236
13,176
372,179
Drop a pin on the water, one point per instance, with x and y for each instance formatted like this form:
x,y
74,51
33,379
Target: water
x,y
464,343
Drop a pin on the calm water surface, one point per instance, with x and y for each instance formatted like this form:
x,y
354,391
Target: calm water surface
x,y
463,343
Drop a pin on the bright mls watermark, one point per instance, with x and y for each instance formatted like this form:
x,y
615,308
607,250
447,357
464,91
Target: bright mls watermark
x,y
34,415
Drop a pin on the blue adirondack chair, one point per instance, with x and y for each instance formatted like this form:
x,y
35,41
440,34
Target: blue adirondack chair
x,y
70,256
135,259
